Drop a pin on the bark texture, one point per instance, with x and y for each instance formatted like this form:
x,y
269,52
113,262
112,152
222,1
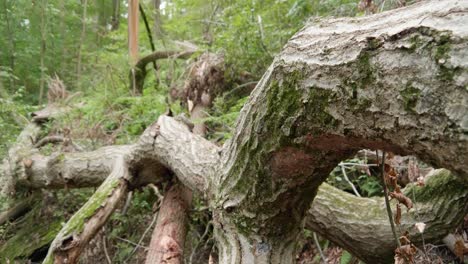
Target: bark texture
x,y
171,228
394,81
206,78
360,225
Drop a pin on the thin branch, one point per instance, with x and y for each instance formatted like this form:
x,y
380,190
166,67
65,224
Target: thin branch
x,y
155,217
49,139
349,182
148,32
131,242
317,244
104,244
387,202
207,229
128,201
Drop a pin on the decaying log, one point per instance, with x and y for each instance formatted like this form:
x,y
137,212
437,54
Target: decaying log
x,y
360,225
394,81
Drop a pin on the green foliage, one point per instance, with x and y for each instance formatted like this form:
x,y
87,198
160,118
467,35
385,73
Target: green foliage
x,y
223,117
367,185
346,257
132,225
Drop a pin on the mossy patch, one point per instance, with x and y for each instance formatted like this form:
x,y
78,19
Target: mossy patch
x,y
410,96
441,182
365,70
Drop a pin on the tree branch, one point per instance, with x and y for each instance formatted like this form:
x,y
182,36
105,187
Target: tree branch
x,y
360,225
84,224
137,74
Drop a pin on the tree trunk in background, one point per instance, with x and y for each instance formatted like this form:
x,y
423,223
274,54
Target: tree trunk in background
x,y
80,45
133,31
11,40
115,14
43,48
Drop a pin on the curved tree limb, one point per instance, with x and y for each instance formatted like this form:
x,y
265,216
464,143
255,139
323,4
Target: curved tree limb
x,y
360,225
394,81
137,74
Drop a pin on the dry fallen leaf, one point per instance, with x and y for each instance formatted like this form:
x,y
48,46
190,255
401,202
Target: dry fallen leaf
x,y
401,198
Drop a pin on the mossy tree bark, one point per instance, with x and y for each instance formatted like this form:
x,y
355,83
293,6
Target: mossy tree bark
x,y
395,81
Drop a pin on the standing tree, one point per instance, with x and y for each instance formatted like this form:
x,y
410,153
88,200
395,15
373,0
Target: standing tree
x,y
394,81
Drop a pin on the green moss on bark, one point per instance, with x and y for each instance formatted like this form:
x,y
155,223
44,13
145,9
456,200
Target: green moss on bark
x,y
30,236
410,96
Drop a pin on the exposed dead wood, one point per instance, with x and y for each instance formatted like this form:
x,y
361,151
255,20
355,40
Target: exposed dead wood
x,y
167,241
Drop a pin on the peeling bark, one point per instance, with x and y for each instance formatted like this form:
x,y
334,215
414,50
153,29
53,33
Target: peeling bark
x,y
169,234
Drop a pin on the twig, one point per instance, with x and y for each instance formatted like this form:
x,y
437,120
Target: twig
x,y
56,139
156,191
387,202
105,250
317,244
207,229
127,203
155,217
148,32
49,139
349,182
131,242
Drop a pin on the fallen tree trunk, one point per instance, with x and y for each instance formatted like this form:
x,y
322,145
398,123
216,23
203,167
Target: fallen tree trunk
x,y
395,81
361,226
